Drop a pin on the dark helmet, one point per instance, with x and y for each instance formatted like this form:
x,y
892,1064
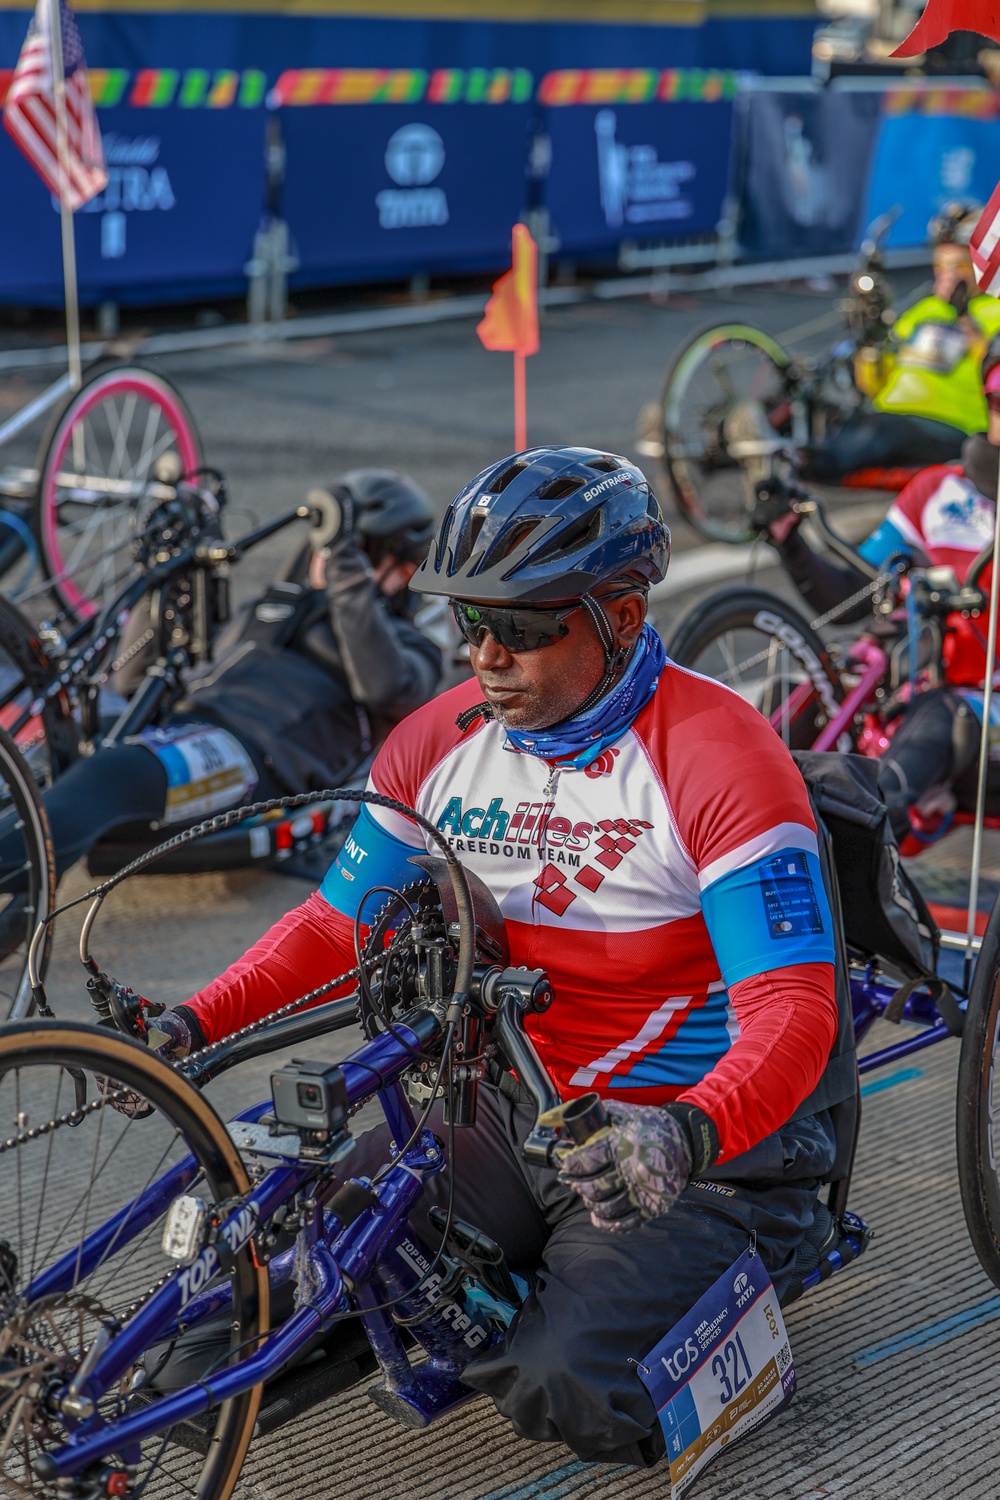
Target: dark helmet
x,y
547,524
954,222
391,513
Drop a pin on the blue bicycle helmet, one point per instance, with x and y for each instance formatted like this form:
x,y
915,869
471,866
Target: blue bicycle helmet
x,y
545,526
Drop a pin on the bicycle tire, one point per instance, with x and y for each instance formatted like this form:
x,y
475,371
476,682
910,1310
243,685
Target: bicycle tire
x,y
73,581
62,1045
978,1167
755,610
51,742
680,478
38,901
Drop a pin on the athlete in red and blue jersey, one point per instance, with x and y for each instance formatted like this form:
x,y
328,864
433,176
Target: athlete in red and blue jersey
x,y
943,517
651,846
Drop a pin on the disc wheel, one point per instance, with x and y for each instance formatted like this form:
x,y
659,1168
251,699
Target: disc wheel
x,y
767,652
65,1172
729,381
102,449
27,880
978,1120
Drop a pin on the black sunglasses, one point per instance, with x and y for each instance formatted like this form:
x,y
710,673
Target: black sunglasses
x,y
516,630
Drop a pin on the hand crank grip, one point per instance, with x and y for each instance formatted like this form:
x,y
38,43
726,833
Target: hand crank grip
x,y
328,519
584,1117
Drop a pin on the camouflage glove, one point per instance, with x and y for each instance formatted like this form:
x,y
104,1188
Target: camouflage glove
x,y
631,1171
170,1036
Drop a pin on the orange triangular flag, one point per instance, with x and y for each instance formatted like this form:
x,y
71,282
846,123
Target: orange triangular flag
x,y
511,320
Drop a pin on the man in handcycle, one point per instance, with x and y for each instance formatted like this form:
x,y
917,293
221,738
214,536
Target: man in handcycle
x,y
943,517
925,395
652,848
305,681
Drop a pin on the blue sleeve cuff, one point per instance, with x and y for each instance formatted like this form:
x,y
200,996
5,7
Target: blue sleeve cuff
x,y
885,542
769,914
370,857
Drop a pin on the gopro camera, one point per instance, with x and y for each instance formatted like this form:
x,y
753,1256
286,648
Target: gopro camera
x,y
310,1096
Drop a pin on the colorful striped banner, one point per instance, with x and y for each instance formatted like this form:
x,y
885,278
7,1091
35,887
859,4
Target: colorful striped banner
x,y
636,85
205,88
970,103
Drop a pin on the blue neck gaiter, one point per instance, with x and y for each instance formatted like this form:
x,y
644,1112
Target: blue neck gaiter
x,y
581,739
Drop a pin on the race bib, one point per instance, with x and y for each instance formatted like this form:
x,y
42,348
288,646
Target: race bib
x,y
934,346
724,1368
207,769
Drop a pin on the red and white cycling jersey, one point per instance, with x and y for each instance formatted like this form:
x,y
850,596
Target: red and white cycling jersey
x,y
941,514
671,890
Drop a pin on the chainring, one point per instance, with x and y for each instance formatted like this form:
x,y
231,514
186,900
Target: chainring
x,y
393,983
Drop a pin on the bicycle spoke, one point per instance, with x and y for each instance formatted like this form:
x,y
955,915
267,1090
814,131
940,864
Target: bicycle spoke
x,y
45,1176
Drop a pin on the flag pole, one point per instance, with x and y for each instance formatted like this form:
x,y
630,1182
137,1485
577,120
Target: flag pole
x,y
66,216
520,403
984,744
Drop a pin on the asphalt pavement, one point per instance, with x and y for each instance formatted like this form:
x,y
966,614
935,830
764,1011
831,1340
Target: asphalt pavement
x,y
895,1356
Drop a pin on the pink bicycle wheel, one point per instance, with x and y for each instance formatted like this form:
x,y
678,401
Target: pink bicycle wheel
x,y
109,442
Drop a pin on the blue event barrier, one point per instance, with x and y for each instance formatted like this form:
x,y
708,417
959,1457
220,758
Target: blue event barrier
x,y
179,211
638,117
636,172
813,168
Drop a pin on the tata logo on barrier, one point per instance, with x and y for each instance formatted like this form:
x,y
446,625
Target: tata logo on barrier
x,y
413,158
137,183
636,187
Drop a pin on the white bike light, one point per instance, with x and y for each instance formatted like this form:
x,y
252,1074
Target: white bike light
x,y
184,1229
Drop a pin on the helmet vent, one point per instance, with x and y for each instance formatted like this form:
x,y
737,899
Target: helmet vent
x,y
607,464
558,489
508,476
469,537
510,539
584,533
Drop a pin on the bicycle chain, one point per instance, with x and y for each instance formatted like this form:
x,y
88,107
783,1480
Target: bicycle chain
x,y
126,656
71,1117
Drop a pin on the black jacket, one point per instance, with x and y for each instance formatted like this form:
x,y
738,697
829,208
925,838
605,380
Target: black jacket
x,y
313,681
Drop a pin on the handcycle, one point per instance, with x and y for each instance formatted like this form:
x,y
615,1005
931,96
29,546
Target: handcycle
x,y
208,1220
54,687
734,392
821,694
102,448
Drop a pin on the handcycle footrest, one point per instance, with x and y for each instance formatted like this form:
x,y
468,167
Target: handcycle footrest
x,y
853,1238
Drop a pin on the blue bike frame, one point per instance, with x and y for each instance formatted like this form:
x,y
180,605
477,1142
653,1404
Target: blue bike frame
x,y
364,1255
378,1256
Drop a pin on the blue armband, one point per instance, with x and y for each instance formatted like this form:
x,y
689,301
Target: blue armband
x,y
769,914
370,857
885,542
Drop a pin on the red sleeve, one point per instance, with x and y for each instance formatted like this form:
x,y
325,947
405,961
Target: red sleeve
x,y
788,1023
309,946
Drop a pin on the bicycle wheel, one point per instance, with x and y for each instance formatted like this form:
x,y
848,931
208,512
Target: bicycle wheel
x,y
767,652
99,453
978,1116
59,1185
728,384
27,879
47,740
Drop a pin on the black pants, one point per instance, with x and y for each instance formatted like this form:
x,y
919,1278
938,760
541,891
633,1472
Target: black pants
x,y
937,744
882,440
563,1373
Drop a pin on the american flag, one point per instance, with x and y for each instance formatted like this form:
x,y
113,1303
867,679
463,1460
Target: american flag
x,y
984,242
30,110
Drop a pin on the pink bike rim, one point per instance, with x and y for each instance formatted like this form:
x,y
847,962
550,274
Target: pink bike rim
x,y
152,390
